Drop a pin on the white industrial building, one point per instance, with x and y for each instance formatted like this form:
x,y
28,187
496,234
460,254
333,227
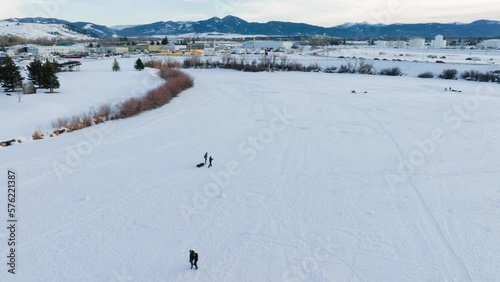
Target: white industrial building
x,y
439,42
490,44
418,43
47,50
393,44
401,44
267,45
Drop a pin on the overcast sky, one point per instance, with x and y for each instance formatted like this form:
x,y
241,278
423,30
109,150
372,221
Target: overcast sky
x,y
319,12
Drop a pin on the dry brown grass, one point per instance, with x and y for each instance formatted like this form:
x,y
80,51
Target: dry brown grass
x,y
171,63
60,123
60,131
102,114
130,108
38,135
86,120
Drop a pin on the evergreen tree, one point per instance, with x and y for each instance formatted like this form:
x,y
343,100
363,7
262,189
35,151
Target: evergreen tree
x,y
10,75
49,77
164,41
35,72
139,65
91,45
2,63
152,42
116,66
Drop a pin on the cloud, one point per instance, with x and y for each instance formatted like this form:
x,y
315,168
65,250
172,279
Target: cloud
x,y
11,9
320,12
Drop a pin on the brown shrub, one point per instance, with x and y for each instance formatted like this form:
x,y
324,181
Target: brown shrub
x,y
179,84
74,124
60,131
171,63
153,64
157,97
168,73
86,121
60,122
130,108
38,135
102,114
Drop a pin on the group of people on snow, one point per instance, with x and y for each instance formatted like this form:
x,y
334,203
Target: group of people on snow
x,y
209,159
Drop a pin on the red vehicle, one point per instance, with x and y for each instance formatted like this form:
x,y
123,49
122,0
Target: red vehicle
x,y
73,56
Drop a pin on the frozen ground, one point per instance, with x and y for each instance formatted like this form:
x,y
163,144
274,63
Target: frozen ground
x,y
309,183
93,85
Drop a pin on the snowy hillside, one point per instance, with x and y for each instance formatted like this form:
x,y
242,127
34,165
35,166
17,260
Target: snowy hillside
x,y
36,30
309,182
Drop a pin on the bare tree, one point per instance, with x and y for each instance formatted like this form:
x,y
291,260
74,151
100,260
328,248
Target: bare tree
x,y
265,61
284,62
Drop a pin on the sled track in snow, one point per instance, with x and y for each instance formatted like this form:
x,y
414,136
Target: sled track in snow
x,y
420,198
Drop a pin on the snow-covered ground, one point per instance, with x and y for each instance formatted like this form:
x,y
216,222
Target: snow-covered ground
x,y
309,183
94,85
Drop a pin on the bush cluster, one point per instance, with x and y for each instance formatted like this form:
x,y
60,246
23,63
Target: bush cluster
x,y
177,81
479,76
394,71
426,74
448,74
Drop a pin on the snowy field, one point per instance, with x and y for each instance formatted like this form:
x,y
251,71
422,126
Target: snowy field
x,y
95,84
309,183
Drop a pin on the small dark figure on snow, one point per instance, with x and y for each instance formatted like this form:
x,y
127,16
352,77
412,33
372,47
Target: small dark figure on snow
x,y
205,156
193,259
210,161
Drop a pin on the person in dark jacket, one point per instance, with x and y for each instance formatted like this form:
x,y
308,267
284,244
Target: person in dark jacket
x,y
210,161
206,156
193,259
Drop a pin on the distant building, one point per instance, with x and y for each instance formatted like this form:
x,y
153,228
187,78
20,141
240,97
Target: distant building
x,y
490,44
439,42
402,44
195,46
47,50
169,46
115,50
267,45
418,43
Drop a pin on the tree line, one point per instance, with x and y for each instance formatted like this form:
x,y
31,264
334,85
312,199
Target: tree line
x,y
43,75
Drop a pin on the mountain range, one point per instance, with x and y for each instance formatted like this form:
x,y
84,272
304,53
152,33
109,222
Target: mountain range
x,y
235,25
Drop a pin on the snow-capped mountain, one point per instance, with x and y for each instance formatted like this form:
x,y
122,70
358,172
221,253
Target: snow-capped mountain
x,y
235,25
50,28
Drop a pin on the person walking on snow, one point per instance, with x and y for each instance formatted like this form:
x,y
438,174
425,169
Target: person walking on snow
x,y
210,161
205,156
193,259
